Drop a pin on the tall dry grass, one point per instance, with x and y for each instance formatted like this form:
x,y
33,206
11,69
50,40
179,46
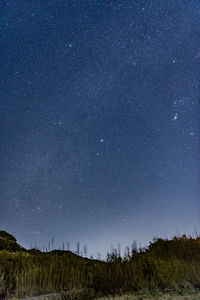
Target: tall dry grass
x,y
165,265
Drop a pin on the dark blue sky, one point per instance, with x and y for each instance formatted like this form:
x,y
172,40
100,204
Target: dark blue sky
x,y
99,120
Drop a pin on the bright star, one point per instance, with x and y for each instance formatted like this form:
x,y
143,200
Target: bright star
x,y
175,117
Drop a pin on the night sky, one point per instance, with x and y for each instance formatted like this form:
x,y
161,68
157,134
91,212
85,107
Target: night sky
x,y
99,120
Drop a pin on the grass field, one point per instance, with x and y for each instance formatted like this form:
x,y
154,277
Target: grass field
x,y
165,266
160,297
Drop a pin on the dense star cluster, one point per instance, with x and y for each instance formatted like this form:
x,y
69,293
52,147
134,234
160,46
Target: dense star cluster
x,y
99,120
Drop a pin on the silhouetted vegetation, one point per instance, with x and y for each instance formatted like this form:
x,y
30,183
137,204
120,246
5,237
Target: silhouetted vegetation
x,y
166,265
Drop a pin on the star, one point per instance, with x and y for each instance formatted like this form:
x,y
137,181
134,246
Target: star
x,y
175,117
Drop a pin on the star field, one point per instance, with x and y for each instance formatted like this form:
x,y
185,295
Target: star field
x,y
99,118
